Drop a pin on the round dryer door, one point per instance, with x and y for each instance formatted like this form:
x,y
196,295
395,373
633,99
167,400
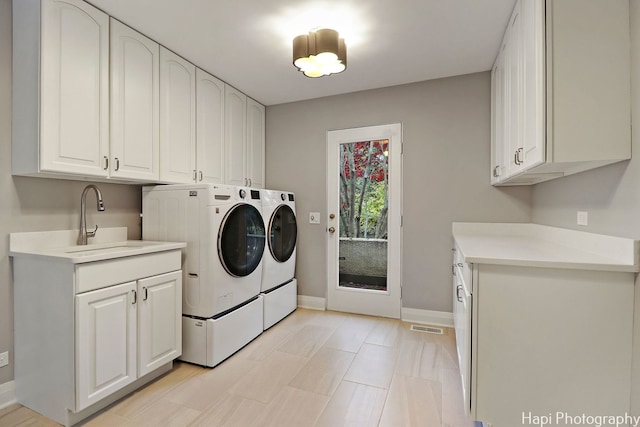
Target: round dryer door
x,y
283,231
241,240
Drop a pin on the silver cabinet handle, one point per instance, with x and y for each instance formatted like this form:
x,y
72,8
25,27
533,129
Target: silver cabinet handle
x,y
250,182
496,171
135,296
200,175
453,269
106,163
146,294
458,289
195,175
517,154
460,265
117,164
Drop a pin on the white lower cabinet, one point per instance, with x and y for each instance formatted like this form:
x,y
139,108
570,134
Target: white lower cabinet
x,y
90,333
123,327
537,341
105,342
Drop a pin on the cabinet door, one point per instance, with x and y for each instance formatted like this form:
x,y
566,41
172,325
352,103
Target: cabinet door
x,y
235,119
210,128
74,133
105,342
533,88
135,104
177,118
255,143
159,318
498,120
513,60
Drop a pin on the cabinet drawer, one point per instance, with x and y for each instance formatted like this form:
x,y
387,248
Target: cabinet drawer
x,y
96,275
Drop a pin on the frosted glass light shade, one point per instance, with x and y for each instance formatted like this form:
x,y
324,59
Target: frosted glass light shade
x,y
320,53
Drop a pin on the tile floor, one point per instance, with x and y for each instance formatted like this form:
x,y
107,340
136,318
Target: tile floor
x,y
314,368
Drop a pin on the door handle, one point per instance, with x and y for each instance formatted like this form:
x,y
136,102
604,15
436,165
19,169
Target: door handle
x,y
332,230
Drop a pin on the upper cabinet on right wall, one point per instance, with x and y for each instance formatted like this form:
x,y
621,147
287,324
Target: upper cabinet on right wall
x,y
561,95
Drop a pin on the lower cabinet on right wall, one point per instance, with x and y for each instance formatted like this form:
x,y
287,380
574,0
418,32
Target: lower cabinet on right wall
x,y
538,341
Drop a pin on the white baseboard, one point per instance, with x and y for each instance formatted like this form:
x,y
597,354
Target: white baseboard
x,y
7,394
427,317
313,303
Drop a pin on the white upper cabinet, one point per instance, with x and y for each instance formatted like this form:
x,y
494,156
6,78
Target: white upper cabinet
x,y
235,118
60,88
210,158
244,139
95,99
135,105
255,143
177,118
557,107
498,119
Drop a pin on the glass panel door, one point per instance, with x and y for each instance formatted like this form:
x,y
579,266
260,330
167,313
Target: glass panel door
x,y
364,206
364,220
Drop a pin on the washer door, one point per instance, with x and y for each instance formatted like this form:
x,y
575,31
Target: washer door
x,y
241,240
283,231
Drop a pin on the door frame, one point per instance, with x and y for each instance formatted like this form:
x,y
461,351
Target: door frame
x,y
376,303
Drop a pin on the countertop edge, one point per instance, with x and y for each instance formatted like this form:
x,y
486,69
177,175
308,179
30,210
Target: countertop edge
x,y
510,244
70,259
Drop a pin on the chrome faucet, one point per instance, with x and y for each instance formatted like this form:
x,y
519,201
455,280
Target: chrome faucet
x,y
84,234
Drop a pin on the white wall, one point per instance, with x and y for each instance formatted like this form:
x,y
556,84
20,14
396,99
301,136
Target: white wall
x,y
34,204
611,195
446,128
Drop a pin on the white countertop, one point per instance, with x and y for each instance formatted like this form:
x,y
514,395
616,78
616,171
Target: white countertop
x,y
536,245
60,245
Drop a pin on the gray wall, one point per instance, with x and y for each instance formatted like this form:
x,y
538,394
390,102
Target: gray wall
x,y
610,194
446,132
35,204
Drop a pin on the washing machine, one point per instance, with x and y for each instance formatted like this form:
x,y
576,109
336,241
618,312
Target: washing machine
x,y
222,264
279,286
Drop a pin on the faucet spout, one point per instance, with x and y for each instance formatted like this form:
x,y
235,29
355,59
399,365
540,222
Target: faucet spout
x,y
84,234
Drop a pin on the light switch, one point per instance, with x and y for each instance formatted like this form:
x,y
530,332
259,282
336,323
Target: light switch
x,y
314,217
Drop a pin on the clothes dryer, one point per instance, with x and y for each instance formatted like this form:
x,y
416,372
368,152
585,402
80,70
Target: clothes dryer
x,y
279,287
222,264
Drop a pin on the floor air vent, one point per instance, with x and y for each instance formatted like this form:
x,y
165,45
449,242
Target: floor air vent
x,y
428,329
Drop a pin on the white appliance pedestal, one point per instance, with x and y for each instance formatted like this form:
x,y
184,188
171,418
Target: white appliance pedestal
x,y
279,302
208,342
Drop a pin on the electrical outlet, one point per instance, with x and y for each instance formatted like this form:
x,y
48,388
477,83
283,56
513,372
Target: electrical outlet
x,y
4,359
314,217
583,218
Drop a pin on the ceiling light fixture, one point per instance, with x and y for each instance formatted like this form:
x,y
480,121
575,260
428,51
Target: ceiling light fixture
x,y
320,53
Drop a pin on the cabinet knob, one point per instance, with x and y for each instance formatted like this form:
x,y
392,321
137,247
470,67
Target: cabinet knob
x,y
332,230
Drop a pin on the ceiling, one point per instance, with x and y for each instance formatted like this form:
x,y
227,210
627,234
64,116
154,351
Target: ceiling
x,y
247,43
